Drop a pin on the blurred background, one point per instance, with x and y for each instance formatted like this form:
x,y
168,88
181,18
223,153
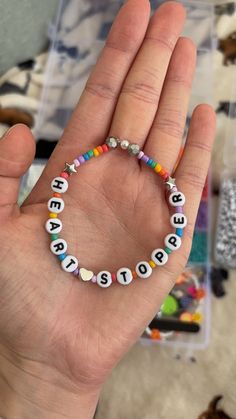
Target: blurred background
x,y
187,355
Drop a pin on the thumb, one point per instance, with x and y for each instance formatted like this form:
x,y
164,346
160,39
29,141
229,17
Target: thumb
x,y
17,150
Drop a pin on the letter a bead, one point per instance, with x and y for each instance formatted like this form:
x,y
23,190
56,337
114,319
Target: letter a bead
x,y
56,205
124,276
104,279
143,269
59,184
70,263
58,246
53,225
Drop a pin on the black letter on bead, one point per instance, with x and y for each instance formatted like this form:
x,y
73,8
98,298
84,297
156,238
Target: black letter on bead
x,y
104,279
142,269
124,275
172,240
58,246
70,263
176,198
179,221
59,182
53,225
159,256
55,204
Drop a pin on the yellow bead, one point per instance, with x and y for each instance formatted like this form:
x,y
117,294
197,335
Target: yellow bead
x,y
158,168
95,152
52,215
152,264
197,317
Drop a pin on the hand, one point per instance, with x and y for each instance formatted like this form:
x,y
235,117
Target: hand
x,y
60,337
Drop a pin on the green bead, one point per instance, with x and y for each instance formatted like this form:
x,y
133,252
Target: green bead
x,y
153,165
54,237
90,153
167,250
170,306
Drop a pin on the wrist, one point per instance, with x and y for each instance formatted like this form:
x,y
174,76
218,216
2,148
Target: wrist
x,y
28,391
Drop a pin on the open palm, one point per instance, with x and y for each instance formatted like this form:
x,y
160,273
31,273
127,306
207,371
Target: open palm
x,y
115,209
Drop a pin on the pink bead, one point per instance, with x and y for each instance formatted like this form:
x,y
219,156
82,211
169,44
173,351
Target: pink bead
x,y
76,272
64,175
77,163
140,155
174,189
192,291
94,279
179,209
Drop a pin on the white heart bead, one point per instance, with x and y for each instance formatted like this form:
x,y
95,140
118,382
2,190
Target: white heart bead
x,y
59,184
143,269
172,241
104,279
178,220
56,205
85,275
70,263
58,246
124,276
53,225
177,199
159,257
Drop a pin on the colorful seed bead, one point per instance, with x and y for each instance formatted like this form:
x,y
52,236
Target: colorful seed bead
x,y
134,273
57,195
62,256
140,155
64,175
113,276
105,147
76,162
81,159
86,156
90,153
149,162
100,149
54,237
158,168
153,165
95,152
152,264
52,215
145,158
168,251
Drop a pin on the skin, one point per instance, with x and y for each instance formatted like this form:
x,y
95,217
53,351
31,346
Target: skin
x,y
60,337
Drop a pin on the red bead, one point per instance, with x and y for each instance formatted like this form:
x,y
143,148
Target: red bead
x,y
113,277
64,175
105,147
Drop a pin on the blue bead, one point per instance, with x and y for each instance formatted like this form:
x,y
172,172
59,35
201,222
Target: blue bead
x,y
62,257
149,162
179,232
86,156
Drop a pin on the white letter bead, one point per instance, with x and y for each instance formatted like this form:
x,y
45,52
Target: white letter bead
x,y
159,257
124,276
70,263
53,225
56,205
58,246
178,220
104,279
143,269
172,241
59,184
177,199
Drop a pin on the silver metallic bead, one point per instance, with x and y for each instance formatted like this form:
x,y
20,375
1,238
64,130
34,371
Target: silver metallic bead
x,y
124,144
134,149
112,142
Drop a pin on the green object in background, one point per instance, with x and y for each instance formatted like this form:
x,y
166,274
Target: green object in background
x,y
199,251
23,29
170,306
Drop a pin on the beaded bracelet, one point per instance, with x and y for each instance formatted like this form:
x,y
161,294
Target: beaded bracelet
x,y
124,276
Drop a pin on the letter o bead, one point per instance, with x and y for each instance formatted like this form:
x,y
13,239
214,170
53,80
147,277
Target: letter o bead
x,y
53,225
56,205
143,269
70,263
159,257
104,279
59,184
177,199
124,276
172,241
58,246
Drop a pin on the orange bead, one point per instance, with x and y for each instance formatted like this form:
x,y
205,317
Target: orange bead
x,y
57,195
99,149
134,273
155,334
163,172
200,293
